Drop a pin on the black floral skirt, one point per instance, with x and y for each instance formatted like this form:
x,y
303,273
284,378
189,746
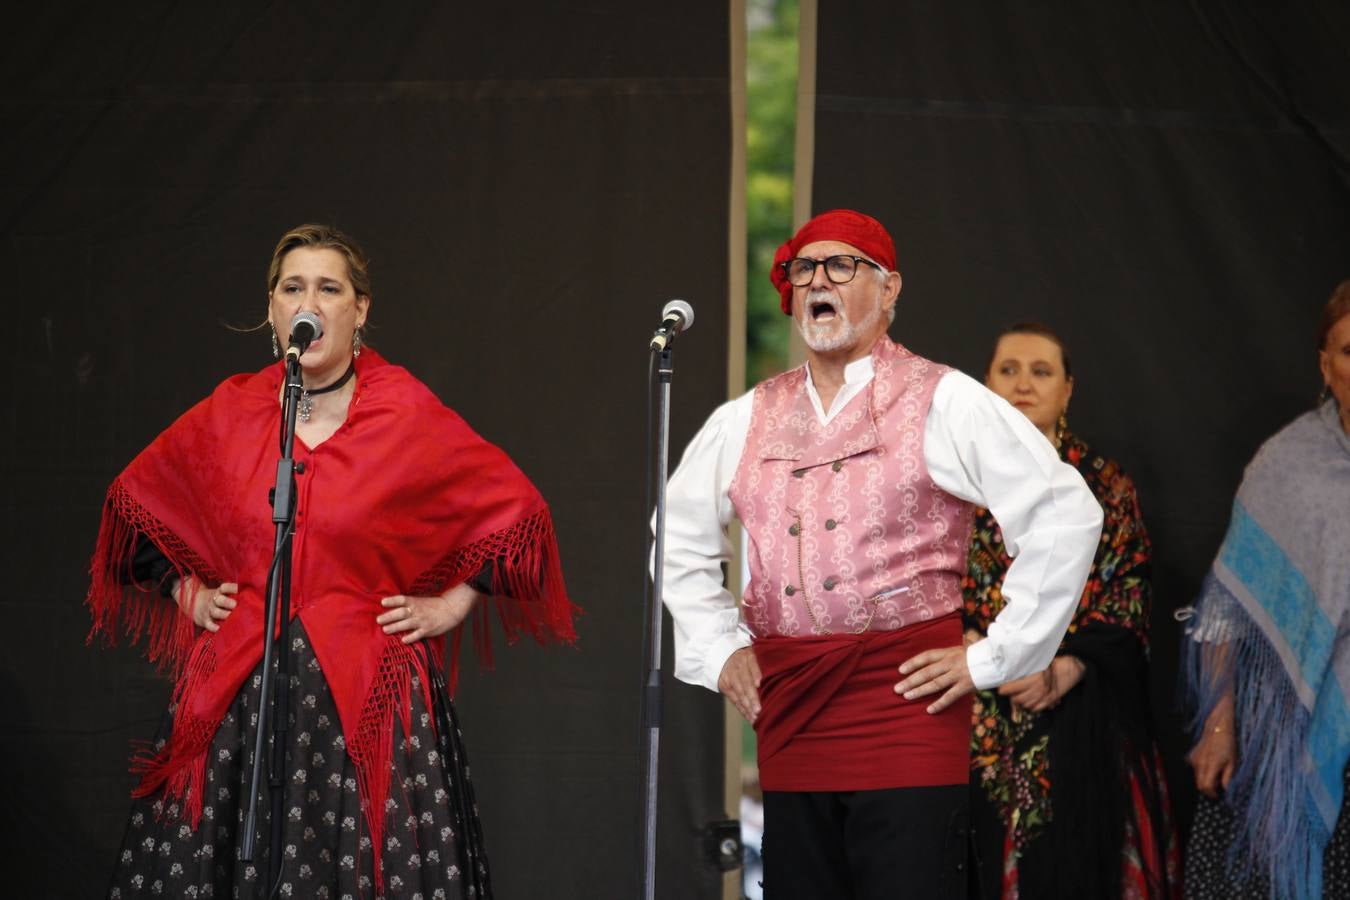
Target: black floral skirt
x,y
432,847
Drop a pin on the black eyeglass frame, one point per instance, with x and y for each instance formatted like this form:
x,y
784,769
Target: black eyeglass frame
x,y
816,263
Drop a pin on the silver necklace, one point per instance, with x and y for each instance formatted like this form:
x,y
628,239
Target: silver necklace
x,y
307,396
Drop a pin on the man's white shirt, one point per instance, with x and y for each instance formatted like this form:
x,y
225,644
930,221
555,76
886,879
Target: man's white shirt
x,y
976,447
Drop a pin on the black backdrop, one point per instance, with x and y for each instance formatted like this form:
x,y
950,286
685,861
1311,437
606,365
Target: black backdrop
x,y
532,181
1166,184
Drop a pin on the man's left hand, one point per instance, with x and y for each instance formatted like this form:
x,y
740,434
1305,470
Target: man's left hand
x,y
936,670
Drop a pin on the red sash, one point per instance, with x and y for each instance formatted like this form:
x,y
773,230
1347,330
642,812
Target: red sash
x,y
830,719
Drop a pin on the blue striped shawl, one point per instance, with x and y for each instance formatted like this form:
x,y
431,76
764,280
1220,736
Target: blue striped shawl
x,y
1273,625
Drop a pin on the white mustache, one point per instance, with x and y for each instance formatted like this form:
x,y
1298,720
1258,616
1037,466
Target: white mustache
x,y
822,295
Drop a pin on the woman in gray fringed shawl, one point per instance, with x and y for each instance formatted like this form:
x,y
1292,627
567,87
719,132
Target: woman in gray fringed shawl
x,y
1267,661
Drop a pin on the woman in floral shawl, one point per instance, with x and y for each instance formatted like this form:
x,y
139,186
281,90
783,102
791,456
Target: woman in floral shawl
x,y
1067,790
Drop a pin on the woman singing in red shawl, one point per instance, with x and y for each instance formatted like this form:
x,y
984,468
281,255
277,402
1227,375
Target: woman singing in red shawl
x,y
1067,790
407,523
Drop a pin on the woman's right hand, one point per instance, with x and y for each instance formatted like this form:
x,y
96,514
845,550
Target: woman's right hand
x,y
1214,757
210,605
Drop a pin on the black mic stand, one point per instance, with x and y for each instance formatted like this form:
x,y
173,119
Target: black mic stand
x,y
651,697
273,697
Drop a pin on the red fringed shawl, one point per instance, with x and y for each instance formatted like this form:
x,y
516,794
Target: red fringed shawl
x,y
403,499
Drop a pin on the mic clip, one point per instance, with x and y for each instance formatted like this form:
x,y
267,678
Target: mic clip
x,y
661,338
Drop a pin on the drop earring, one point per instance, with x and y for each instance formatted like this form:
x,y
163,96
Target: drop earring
x,y
276,345
356,343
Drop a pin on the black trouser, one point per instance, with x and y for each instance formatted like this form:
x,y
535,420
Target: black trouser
x,y
890,844
987,836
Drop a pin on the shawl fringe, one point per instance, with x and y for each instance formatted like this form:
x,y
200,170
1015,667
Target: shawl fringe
x,y
179,766
1272,782
528,592
372,746
137,609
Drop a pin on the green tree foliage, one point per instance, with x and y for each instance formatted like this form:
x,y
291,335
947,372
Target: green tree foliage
x,y
771,128
771,113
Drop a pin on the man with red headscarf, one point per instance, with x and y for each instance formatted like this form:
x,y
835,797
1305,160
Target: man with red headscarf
x,y
855,478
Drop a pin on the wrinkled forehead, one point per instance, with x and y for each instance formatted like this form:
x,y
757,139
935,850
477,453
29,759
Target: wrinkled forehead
x,y
315,261
823,249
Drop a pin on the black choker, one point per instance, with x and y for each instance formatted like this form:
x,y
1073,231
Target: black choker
x,y
307,395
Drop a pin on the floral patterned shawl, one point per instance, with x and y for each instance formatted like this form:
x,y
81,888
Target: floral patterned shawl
x,y
1013,754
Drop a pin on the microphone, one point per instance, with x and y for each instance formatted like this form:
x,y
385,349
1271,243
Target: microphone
x,y
305,330
677,316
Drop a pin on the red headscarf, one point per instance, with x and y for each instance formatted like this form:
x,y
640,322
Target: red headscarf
x,y
854,228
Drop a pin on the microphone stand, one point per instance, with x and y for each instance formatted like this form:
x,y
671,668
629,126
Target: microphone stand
x,y
273,697
651,697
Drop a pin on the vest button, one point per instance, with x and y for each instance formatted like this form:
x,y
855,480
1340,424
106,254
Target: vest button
x,y
830,583
836,465
830,524
794,529
789,590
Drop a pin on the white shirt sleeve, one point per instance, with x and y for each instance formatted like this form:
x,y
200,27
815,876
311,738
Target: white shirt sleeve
x,y
981,449
976,447
708,625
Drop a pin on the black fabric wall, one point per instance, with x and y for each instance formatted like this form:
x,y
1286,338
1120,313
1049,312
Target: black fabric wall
x,y
1166,184
532,181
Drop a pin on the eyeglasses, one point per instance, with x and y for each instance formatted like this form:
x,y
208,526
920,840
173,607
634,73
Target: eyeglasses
x,y
839,269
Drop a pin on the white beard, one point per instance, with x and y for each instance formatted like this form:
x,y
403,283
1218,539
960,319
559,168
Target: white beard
x,y
838,333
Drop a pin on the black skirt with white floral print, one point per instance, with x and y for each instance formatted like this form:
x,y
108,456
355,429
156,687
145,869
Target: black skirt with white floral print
x,y
1212,875
432,845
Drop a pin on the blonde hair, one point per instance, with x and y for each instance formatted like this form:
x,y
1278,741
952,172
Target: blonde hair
x,y
322,237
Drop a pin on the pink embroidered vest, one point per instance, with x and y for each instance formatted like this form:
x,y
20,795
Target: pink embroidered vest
x,y
847,531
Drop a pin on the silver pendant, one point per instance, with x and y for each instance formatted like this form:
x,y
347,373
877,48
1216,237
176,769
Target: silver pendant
x,y
306,406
